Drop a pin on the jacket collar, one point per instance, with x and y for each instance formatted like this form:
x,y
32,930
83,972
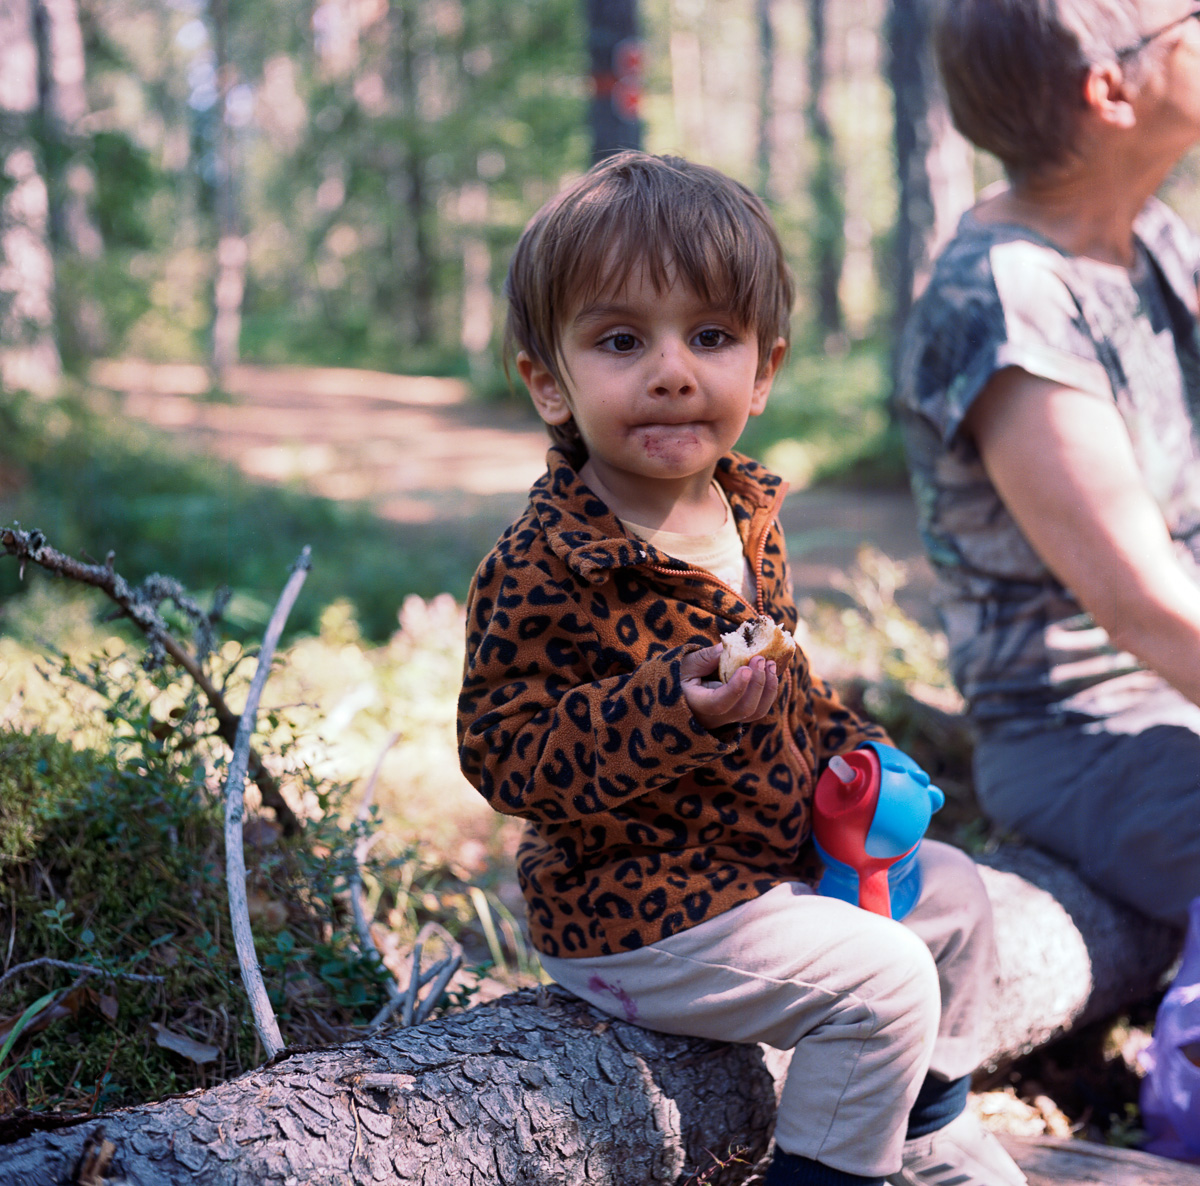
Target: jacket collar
x,y
586,535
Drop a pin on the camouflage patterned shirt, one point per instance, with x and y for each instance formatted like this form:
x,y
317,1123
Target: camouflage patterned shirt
x,y
1022,650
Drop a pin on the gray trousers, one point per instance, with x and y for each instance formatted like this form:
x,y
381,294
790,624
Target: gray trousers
x,y
1118,800
867,1005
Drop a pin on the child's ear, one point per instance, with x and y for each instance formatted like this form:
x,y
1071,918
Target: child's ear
x,y
544,389
762,384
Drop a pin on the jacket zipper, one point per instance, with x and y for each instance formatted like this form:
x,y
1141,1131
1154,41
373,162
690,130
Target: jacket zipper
x,y
760,551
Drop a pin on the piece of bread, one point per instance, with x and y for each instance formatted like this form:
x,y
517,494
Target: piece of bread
x,y
759,636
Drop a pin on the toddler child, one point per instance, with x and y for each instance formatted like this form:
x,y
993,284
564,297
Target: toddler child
x,y
666,865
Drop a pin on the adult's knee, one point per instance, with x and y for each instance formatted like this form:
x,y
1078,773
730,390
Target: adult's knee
x,y
954,913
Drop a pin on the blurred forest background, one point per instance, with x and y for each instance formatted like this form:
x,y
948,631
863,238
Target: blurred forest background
x,y
339,184
226,193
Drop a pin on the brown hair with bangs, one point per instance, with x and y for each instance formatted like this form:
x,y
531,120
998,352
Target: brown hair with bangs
x,y
685,223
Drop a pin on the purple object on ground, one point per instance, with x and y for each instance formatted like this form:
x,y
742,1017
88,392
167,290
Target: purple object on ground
x,y
1171,1089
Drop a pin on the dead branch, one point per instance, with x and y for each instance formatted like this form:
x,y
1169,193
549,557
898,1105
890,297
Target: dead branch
x,y
85,969
140,605
412,1013
235,808
366,944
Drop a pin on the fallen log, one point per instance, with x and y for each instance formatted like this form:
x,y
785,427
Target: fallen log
x,y
537,1089
1067,955
1052,1161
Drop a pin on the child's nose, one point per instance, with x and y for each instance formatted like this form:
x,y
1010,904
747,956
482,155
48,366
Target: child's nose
x,y
672,373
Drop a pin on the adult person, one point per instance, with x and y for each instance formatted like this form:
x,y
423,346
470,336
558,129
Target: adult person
x,y
1049,387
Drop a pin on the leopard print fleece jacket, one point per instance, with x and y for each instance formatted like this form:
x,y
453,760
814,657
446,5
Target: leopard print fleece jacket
x,y
641,822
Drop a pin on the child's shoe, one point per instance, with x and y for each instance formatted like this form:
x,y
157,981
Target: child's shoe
x,y
963,1153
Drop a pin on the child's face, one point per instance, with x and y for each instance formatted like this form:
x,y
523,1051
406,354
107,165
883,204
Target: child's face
x,y
660,384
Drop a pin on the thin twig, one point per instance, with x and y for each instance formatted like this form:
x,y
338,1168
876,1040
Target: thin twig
x,y
443,970
434,995
384,1015
361,846
414,982
235,809
84,969
139,604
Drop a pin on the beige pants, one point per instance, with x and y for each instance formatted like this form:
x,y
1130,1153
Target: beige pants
x,y
867,1005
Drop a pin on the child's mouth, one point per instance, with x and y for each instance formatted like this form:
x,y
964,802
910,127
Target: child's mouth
x,y
663,439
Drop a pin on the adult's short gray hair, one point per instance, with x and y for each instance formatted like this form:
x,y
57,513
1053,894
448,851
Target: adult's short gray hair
x,y
1014,70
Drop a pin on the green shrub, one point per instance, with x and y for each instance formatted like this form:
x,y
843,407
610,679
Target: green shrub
x,y
114,859
37,775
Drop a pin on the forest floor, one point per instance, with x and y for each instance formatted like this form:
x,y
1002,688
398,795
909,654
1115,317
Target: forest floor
x,y
423,455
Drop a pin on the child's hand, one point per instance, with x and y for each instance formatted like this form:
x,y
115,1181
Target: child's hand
x,y
747,696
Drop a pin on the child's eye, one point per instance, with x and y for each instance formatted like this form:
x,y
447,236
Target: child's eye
x,y
621,343
711,338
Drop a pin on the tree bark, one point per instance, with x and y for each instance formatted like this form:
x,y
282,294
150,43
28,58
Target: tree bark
x,y
829,215
419,200
766,95
616,65
1067,955
934,164
29,357
229,285
538,1089
65,105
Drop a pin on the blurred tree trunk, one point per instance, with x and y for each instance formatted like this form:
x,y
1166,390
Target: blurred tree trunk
x,y
70,177
687,80
615,53
29,358
230,286
829,246
419,200
934,164
766,93
64,105
475,334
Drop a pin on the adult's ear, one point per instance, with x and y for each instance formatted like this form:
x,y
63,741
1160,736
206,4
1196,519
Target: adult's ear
x,y
766,376
1109,96
544,389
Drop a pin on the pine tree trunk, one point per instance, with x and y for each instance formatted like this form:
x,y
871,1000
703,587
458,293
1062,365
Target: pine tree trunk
x,y
420,203
615,56
934,164
537,1089
825,184
766,95
229,287
65,105
29,358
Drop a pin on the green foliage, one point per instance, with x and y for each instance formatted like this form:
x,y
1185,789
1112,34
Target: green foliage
x,y
37,774
123,875
126,180
360,134
117,862
18,1028
126,873
92,480
827,418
